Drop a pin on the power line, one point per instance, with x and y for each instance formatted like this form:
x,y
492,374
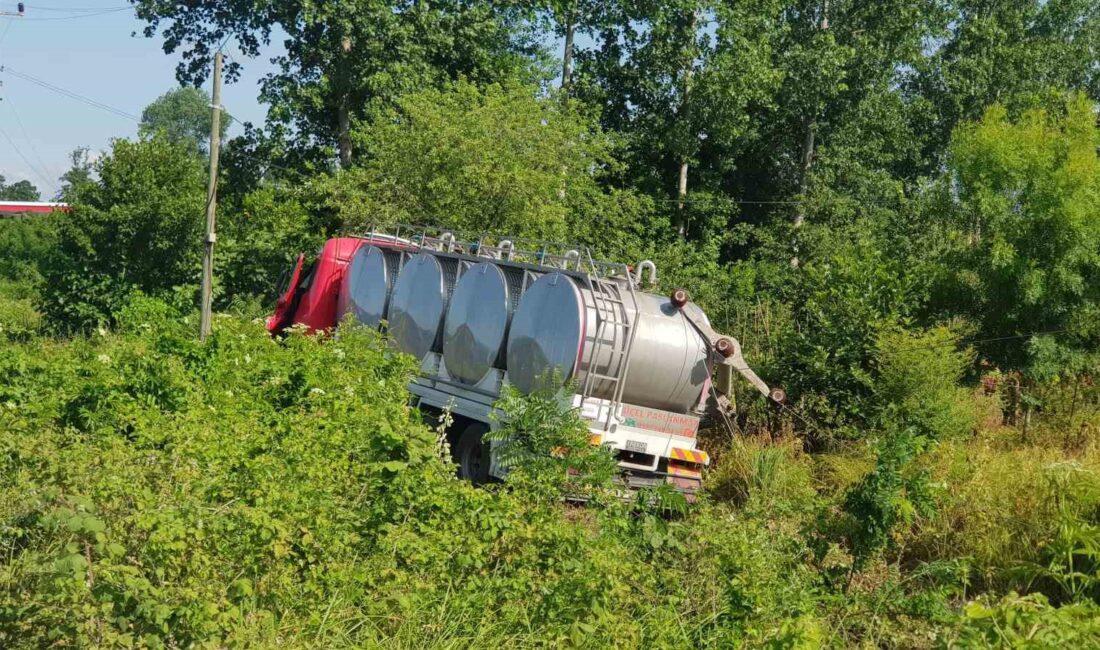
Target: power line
x,y
20,153
70,94
728,202
6,30
37,7
27,137
938,346
79,15
121,113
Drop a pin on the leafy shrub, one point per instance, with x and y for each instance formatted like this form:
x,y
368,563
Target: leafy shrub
x,y
1005,510
18,319
137,227
1025,622
498,158
847,298
1028,195
917,381
895,492
160,492
545,446
258,241
23,243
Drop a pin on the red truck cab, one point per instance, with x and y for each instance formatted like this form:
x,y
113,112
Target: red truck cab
x,y
311,296
313,289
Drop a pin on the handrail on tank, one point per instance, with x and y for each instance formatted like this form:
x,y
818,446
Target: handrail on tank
x,y
550,254
447,239
642,266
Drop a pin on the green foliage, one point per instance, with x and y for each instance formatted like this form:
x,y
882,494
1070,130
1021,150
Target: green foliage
x,y
23,243
346,58
846,298
895,492
1030,192
19,191
544,444
18,319
1026,622
917,378
497,159
183,115
137,227
157,491
768,477
258,240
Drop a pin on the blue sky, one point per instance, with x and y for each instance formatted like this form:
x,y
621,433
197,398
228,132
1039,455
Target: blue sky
x,y
64,43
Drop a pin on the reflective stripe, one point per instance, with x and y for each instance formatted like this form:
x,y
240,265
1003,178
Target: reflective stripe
x,y
687,455
676,469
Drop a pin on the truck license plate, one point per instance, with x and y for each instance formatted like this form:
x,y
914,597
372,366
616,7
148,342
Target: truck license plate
x,y
634,445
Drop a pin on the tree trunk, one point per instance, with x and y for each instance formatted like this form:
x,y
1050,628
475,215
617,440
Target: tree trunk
x,y
809,137
681,193
682,114
343,117
806,159
567,51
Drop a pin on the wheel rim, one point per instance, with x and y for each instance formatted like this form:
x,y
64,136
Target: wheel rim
x,y
471,462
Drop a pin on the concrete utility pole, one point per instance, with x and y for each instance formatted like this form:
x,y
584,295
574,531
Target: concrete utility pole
x,y
211,200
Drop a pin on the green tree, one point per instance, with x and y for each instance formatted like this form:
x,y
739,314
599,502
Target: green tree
x,y
677,79
79,174
500,159
19,191
137,227
183,114
1028,212
344,57
1013,53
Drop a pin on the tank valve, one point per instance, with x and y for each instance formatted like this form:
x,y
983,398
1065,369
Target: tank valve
x,y
679,298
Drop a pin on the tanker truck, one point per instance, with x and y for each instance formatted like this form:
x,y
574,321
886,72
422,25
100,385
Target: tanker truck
x,y
483,313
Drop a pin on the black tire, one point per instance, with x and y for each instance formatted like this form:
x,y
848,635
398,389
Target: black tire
x,y
471,454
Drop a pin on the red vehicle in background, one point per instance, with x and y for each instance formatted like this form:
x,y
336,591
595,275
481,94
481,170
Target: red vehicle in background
x,y
311,295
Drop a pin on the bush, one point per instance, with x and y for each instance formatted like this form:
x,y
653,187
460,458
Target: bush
x,y
137,227
845,300
1025,622
917,381
545,446
258,241
18,319
768,476
24,243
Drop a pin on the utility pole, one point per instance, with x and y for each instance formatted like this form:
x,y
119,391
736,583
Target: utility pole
x,y
211,200
18,14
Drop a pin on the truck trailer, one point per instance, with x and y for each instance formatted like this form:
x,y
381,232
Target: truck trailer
x,y
481,313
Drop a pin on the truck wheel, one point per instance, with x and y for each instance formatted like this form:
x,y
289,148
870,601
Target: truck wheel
x,y
471,454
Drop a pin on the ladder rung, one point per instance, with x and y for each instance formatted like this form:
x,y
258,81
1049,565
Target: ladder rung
x,y
603,377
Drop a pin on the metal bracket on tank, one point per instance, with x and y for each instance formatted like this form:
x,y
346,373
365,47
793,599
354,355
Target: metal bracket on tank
x,y
725,349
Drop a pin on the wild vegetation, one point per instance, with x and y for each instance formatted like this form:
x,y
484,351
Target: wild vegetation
x,y
895,206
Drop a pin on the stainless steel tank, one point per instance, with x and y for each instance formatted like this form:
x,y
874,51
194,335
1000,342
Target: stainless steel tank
x,y
554,336
477,321
367,284
418,302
